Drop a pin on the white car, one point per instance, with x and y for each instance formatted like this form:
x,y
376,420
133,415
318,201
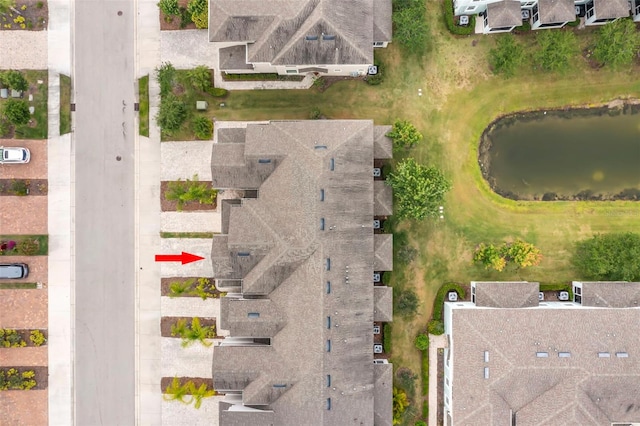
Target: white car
x,y
14,155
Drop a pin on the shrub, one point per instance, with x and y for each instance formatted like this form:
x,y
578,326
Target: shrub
x,y
185,17
28,247
410,29
556,50
422,342
574,23
218,92
180,288
165,74
404,135
440,296
19,187
17,111
203,128
171,114
199,11
435,327
617,44
315,114
200,393
400,404
169,7
10,338
507,56
406,303
37,338
200,78
190,190
202,290
12,78
420,423
386,338
12,379
40,5
611,257
177,392
449,20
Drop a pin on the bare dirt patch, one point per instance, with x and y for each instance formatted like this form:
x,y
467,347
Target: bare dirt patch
x,y
172,206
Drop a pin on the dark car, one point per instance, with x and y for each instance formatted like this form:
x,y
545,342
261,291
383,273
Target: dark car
x,y
13,271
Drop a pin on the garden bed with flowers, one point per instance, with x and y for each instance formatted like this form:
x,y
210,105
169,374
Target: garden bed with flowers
x,y
28,15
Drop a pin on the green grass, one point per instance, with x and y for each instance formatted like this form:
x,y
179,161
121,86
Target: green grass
x,y
20,286
43,243
186,234
37,128
65,104
143,98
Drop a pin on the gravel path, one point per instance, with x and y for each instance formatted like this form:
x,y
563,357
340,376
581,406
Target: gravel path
x,y
177,413
182,160
189,306
208,221
197,246
193,361
23,50
187,49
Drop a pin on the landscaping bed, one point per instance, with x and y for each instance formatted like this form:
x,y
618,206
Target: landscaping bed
x,y
65,104
143,99
23,187
197,381
19,286
25,245
33,16
190,287
29,126
175,22
10,338
41,376
167,322
261,77
172,205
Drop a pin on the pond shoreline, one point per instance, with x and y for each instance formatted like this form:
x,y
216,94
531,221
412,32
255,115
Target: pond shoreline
x,y
613,108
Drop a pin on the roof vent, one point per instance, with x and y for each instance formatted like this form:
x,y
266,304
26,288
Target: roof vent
x,y
486,356
311,37
604,355
622,355
486,372
328,37
542,354
564,354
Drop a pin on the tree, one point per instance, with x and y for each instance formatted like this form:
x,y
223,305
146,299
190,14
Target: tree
x,y
422,342
200,78
199,10
165,75
507,56
410,29
14,80
406,303
418,190
522,254
177,392
203,127
490,256
404,134
611,257
556,49
17,111
171,114
617,43
169,7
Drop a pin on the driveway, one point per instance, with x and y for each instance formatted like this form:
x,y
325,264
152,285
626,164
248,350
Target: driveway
x,y
23,215
23,309
37,166
38,266
23,50
188,49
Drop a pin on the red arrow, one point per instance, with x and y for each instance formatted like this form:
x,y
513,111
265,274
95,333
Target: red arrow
x,y
184,258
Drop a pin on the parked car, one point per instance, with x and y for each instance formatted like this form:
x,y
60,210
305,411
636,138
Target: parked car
x,y
13,271
14,155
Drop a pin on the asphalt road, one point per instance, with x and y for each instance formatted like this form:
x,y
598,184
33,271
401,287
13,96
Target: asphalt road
x,y
104,376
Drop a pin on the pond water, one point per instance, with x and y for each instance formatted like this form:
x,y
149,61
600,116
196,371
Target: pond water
x,y
579,155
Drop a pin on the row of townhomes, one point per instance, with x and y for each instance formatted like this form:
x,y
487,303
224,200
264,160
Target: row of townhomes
x,y
496,16
329,37
513,359
298,255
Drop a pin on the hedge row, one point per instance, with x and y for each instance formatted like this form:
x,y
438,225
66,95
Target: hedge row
x,y
451,24
442,293
386,338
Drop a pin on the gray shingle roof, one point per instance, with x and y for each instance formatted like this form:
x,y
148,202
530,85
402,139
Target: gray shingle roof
x,y
382,144
383,205
382,303
234,58
556,11
611,294
277,30
522,294
383,248
504,13
383,400
323,171
611,9
581,389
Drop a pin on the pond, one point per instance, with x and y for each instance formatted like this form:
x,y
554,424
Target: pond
x,y
568,155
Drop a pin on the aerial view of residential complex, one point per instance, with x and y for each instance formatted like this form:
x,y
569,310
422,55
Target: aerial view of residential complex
x,y
320,212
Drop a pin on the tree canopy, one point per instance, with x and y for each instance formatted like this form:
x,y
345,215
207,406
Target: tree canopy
x,y
617,43
404,134
418,190
519,253
422,342
611,257
410,28
507,56
556,50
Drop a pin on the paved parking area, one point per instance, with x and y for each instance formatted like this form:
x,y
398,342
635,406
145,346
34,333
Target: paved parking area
x,y
37,268
37,166
23,215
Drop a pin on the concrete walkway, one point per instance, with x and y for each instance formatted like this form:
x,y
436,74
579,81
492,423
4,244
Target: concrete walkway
x,y
61,205
435,342
203,221
183,160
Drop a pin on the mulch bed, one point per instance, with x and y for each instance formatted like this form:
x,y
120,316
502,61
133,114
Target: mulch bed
x,y
166,381
172,206
35,18
165,285
175,21
41,378
440,386
26,333
35,186
167,322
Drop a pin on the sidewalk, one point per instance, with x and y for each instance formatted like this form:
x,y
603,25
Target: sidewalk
x,y
61,206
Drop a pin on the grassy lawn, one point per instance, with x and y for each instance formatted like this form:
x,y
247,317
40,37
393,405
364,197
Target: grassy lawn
x,y
460,97
37,126
143,98
65,104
